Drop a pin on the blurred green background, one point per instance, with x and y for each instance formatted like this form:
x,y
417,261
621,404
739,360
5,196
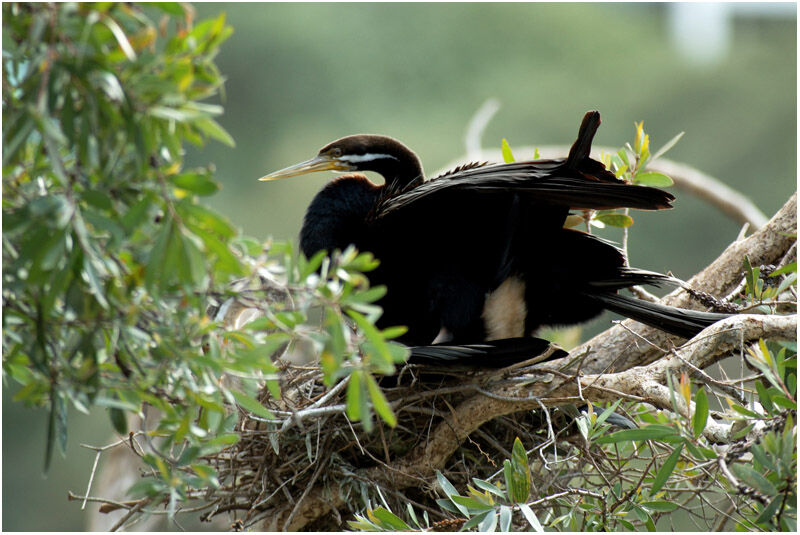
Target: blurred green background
x,y
301,75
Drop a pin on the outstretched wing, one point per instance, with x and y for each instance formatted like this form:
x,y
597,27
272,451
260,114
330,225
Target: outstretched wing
x,y
576,182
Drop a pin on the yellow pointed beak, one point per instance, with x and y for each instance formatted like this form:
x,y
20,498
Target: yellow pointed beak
x,y
317,163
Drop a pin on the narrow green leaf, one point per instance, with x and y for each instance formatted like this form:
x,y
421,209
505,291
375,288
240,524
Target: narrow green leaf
x,y
382,406
485,485
196,183
508,157
762,458
666,470
764,397
660,506
450,491
505,518
668,145
120,36
656,180
615,220
791,267
354,392
374,336
744,412
748,275
489,523
650,432
700,416
250,404
531,518
754,479
212,128
603,416
770,510
477,519
390,520
471,503
118,420
623,156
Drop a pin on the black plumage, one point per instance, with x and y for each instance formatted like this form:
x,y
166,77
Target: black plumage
x,y
452,247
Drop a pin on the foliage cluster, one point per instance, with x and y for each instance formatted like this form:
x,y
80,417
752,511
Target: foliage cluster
x,y
110,258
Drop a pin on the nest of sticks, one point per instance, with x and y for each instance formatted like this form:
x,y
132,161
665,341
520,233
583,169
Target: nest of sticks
x,y
312,443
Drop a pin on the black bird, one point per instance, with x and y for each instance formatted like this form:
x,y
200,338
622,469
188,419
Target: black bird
x,y
480,253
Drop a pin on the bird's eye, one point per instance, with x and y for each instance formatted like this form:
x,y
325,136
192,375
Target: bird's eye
x,y
336,152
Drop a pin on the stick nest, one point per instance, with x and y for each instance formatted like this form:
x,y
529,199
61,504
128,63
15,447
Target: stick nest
x,y
312,442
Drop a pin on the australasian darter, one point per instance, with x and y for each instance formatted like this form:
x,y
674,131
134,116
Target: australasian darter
x,y
480,253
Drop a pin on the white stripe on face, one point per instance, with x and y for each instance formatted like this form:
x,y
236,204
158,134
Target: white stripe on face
x,y
369,157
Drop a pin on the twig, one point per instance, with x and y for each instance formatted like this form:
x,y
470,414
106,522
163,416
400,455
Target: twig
x,y
477,125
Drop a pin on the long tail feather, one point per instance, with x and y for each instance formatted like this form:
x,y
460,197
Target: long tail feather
x,y
494,354
677,321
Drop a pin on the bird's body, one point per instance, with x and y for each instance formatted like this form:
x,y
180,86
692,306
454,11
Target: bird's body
x,y
481,252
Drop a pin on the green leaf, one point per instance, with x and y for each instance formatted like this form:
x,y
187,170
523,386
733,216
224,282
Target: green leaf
x,y
660,506
506,150
656,180
668,145
250,404
603,416
762,458
650,432
450,491
118,420
477,519
212,128
196,183
754,479
517,473
505,518
748,275
666,470
744,412
384,362
531,518
471,503
489,523
764,397
390,520
382,406
357,407
615,220
700,416
770,510
485,485
791,267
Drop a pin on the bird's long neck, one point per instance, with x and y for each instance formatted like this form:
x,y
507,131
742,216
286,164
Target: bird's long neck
x,y
400,170
398,164
336,216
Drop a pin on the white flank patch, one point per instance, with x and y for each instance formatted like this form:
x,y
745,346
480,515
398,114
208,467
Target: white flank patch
x,y
504,310
359,158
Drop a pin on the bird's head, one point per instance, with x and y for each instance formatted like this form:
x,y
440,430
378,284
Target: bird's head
x,y
380,154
